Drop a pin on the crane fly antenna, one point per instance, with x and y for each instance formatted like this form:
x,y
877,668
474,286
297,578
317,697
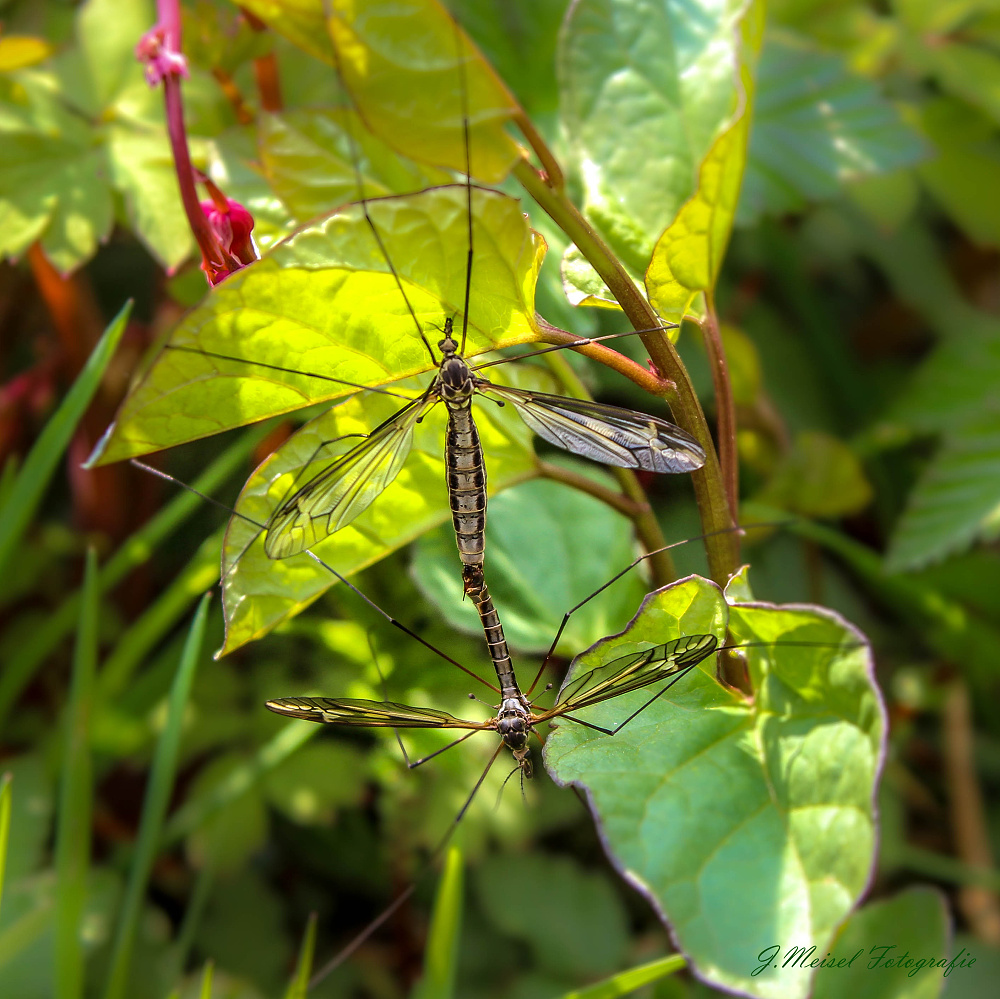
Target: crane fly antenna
x,y
356,162
464,98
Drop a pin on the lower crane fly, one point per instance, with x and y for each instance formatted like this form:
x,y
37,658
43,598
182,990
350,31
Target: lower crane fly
x,y
516,717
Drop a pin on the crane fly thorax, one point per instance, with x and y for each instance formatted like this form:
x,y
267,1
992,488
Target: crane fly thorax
x,y
513,724
455,381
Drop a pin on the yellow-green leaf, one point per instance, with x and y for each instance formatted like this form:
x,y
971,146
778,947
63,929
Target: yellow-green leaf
x,y
688,255
324,305
400,60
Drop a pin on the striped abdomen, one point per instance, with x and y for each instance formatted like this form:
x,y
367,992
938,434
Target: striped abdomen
x,y
466,473
475,588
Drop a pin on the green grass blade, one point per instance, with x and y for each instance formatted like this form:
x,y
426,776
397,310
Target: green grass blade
x,y
206,981
441,955
72,850
4,825
626,982
23,663
26,493
191,815
161,781
299,985
159,618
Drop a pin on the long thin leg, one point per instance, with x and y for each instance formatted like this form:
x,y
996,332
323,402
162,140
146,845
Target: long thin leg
x,y
581,342
629,568
290,371
344,954
398,624
371,603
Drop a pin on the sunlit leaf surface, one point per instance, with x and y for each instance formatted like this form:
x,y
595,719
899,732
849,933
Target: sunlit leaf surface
x,y
324,305
401,63
645,89
745,822
687,257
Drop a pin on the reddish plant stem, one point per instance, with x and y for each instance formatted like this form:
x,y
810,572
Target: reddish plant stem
x,y
232,94
710,491
265,70
71,307
643,377
206,238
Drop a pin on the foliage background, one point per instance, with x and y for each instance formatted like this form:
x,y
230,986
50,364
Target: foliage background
x,y
859,297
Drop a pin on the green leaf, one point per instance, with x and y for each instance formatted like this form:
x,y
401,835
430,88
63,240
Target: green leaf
x,y
31,816
816,126
746,821
645,90
579,927
913,927
547,518
24,496
401,64
228,836
52,189
206,981
154,808
967,71
626,982
967,163
956,499
72,853
307,158
142,171
299,985
324,305
237,781
819,476
107,32
21,51
953,387
320,778
441,952
259,592
687,257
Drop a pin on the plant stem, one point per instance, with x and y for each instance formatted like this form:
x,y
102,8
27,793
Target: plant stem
x,y
725,425
710,491
643,377
559,473
638,509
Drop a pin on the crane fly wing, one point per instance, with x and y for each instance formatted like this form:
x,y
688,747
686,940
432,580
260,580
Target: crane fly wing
x,y
608,434
632,672
334,497
367,714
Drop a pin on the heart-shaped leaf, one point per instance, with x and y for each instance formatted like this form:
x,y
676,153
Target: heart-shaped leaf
x,y
745,822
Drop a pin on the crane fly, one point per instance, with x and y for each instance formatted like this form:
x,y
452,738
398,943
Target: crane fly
x,y
516,717
332,498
